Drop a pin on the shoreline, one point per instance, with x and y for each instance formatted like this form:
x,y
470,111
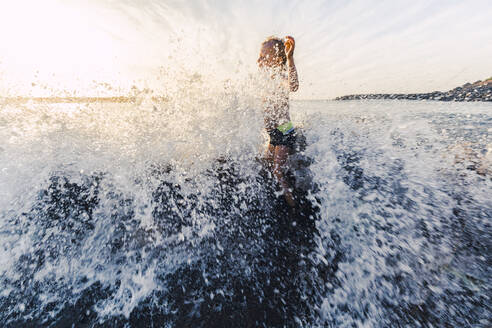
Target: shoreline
x,y
479,91
67,100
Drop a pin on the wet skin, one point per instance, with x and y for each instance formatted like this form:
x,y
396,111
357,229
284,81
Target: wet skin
x,y
270,58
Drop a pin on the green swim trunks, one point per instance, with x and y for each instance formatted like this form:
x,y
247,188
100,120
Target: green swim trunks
x,y
283,135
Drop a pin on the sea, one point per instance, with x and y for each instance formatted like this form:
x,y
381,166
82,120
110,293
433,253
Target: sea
x,y
165,214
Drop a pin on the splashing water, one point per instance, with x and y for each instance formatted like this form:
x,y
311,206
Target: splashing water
x,y
404,193
161,213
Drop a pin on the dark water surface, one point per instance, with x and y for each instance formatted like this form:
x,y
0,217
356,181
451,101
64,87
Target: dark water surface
x,y
109,219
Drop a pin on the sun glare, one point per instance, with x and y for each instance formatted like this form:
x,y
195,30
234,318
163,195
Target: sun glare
x,y
54,44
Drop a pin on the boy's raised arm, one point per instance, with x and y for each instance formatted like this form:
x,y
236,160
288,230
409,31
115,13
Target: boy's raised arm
x,y
293,80
291,66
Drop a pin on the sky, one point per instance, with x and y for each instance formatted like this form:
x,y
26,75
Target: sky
x,y
99,47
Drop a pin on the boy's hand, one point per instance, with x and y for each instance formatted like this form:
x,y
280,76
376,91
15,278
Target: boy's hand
x,y
290,44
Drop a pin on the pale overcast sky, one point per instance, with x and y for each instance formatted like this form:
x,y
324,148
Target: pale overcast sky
x,y
343,47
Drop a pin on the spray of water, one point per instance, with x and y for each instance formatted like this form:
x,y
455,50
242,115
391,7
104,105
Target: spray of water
x,y
162,211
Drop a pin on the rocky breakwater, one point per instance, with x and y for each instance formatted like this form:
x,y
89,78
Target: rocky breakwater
x,y
478,91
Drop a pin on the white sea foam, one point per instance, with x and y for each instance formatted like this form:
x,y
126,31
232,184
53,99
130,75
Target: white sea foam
x,y
389,187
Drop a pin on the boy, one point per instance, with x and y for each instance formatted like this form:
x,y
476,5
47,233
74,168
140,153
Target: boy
x,y
277,60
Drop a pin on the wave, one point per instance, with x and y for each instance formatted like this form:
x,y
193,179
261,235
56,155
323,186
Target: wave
x,y
164,213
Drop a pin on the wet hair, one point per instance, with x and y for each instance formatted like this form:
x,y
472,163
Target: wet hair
x,y
278,45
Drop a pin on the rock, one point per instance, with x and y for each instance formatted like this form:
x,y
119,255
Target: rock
x,y
477,91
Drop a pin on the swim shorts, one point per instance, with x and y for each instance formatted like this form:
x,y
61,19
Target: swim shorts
x,y
283,135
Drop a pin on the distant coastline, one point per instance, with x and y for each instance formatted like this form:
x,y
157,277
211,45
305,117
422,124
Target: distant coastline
x,y
78,100
477,91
